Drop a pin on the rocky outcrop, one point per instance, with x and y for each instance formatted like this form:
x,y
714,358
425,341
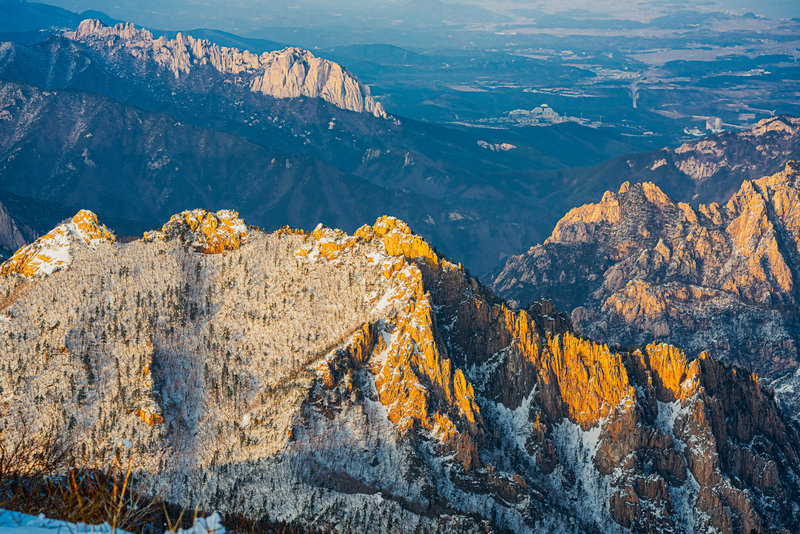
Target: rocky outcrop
x,y
205,231
54,250
415,380
702,160
304,375
288,73
293,72
639,266
660,423
710,169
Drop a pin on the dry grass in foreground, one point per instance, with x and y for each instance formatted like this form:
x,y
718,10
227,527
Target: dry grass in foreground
x,y
41,474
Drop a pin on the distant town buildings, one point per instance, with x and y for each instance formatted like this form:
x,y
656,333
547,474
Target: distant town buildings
x,y
537,115
714,124
542,115
496,147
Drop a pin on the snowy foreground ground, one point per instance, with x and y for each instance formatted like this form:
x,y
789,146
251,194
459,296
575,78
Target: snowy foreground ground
x,y
18,523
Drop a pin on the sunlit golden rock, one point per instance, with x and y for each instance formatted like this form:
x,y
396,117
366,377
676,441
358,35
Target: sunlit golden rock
x,y
637,267
151,418
205,231
53,251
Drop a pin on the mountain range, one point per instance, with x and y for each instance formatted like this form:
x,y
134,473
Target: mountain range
x,y
364,382
269,123
638,266
488,199
635,372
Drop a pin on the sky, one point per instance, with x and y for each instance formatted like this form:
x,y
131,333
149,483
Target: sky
x,y
195,11
645,9
403,22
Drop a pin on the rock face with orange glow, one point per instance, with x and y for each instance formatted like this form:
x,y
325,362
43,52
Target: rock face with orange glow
x,y
207,232
54,250
638,266
366,379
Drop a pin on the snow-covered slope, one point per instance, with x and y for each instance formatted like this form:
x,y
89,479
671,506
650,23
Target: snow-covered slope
x,y
287,73
55,250
19,523
364,383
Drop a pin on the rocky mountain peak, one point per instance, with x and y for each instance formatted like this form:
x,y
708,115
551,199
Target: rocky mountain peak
x,y
294,72
205,231
288,73
94,28
712,169
639,266
772,138
782,125
582,223
55,250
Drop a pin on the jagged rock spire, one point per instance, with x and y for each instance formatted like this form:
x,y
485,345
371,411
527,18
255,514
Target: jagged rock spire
x,y
288,73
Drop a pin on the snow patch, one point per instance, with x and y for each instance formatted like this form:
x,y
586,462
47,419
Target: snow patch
x,y
206,525
19,523
576,449
496,147
667,413
516,424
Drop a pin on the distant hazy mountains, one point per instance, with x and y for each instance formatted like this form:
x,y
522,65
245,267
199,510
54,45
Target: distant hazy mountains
x,y
288,73
137,127
234,125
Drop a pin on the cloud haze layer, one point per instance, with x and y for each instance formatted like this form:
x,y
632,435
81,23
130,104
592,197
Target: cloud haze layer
x,y
252,16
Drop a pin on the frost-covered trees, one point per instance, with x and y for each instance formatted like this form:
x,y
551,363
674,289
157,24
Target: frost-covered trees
x,y
209,355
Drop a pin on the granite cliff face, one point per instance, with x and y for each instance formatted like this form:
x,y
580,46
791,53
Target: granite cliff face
x,y
13,234
639,266
369,381
288,73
